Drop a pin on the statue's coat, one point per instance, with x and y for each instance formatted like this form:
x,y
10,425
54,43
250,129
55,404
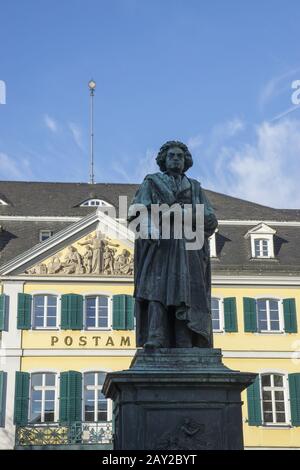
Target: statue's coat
x,y
164,270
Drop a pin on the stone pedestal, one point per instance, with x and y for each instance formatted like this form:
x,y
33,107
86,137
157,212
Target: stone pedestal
x,y
177,399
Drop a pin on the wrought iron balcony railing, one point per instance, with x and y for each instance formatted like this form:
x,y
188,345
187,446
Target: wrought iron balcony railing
x,y
55,434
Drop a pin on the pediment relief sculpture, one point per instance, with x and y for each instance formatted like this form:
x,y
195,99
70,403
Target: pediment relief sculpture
x,y
95,254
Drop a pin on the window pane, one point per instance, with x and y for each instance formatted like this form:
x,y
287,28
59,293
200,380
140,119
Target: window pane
x,y
51,321
89,416
36,395
274,325
278,380
49,416
101,378
89,395
52,300
267,395
268,418
102,416
262,324
36,379
267,406
39,300
39,322
273,304
279,395
50,379
49,395
266,380
280,417
103,322
103,301
279,406
215,324
215,303
91,311
274,315
36,406
89,378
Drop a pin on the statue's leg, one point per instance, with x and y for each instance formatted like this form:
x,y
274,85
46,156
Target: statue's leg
x,y
183,335
158,326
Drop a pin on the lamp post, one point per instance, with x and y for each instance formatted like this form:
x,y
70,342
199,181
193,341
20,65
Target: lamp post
x,y
92,87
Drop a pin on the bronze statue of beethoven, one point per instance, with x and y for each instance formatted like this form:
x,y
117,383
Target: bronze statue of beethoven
x,y
172,284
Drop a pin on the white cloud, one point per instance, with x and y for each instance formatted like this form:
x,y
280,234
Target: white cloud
x,y
50,123
77,134
11,168
266,171
276,86
195,142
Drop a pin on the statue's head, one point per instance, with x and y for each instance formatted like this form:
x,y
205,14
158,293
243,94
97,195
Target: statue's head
x,y
174,156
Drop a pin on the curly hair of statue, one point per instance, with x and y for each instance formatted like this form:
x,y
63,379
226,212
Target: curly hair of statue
x,y
162,154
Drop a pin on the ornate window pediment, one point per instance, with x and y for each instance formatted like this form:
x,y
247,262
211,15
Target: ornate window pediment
x,y
262,241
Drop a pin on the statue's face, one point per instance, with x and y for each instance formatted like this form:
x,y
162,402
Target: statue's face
x,y
175,160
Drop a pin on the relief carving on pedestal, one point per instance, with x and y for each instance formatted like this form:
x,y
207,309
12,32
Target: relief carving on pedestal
x,y
187,435
95,254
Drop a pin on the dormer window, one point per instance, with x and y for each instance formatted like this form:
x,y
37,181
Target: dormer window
x,y
95,203
262,241
261,248
45,234
3,203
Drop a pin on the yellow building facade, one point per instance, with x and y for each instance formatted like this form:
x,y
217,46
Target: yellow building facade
x,y
63,327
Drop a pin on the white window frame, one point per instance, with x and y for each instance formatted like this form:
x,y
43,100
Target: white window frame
x,y
212,245
109,312
261,240
44,388
49,232
286,395
58,312
95,203
109,401
280,313
221,314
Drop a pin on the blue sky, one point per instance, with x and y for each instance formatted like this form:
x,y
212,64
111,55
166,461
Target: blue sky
x,y
215,74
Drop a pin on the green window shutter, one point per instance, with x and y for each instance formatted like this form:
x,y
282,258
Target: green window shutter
x,y
123,312
294,386
71,312
70,408
254,404
290,316
24,311
230,316
2,394
65,321
129,312
119,315
2,311
250,316
21,398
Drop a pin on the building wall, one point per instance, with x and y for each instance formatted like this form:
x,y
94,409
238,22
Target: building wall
x,y
32,351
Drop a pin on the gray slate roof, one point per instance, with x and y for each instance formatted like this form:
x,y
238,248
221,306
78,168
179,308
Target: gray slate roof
x,y
63,200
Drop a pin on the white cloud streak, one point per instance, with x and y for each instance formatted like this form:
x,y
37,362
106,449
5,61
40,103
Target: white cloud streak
x,y
12,168
50,123
76,134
